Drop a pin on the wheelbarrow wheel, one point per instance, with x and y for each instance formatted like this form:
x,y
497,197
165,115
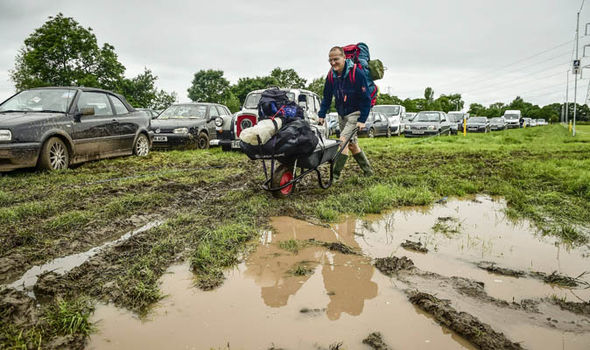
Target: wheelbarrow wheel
x,y
282,175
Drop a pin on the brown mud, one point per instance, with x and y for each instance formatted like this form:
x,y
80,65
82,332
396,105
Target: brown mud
x,y
375,341
415,246
345,295
463,323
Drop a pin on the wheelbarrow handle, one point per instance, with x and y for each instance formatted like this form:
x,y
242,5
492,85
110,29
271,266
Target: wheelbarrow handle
x,y
345,143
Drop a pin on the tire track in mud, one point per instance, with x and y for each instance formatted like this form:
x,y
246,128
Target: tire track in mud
x,y
467,294
20,260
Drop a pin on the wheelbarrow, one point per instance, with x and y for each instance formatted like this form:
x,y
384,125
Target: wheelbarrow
x,y
283,173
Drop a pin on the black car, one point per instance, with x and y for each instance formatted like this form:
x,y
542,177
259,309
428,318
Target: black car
x,y
189,125
478,124
54,127
498,123
152,113
377,124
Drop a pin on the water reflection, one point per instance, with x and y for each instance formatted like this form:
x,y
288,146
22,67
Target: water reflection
x,y
346,277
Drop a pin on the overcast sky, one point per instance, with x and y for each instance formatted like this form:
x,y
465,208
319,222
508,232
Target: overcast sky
x,y
488,51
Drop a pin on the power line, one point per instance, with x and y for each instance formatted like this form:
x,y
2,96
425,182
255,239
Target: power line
x,y
495,70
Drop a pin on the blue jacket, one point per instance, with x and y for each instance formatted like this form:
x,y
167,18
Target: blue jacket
x,y
350,96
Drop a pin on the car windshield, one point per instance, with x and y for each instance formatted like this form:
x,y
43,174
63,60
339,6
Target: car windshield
x,y
184,112
40,100
253,99
427,117
477,120
387,110
511,116
455,117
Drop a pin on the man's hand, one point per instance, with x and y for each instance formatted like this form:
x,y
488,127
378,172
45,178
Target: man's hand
x,y
360,125
321,121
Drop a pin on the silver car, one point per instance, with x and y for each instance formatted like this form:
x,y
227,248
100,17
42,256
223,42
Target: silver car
x,y
428,123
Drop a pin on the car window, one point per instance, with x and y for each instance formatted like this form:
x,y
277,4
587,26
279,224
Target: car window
x,y
317,103
182,111
119,106
310,103
97,100
213,112
57,100
222,110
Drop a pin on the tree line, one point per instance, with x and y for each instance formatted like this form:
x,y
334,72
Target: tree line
x,y
63,53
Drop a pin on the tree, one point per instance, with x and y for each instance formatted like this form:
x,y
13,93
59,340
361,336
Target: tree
x,y
139,91
288,78
232,102
429,95
476,109
386,99
163,100
245,85
63,53
209,86
317,86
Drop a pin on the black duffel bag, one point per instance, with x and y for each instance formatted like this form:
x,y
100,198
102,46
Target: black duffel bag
x,y
295,140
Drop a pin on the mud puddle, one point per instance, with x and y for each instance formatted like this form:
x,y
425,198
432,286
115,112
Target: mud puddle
x,y
67,263
318,297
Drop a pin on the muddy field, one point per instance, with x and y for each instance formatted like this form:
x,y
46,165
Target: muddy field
x,y
470,249
307,294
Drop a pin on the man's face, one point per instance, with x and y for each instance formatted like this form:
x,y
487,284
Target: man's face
x,y
336,60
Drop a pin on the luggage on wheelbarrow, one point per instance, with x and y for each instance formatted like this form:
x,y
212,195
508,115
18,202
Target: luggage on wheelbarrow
x,y
289,165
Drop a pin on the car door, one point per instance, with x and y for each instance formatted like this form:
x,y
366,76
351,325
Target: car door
x,y
93,134
125,126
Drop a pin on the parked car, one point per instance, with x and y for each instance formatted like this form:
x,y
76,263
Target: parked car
x,y
533,122
377,124
152,113
527,122
498,123
333,124
428,123
55,127
478,124
541,122
456,120
512,117
189,125
229,127
406,120
394,113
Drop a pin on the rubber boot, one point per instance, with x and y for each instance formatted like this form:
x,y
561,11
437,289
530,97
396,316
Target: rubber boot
x,y
339,165
364,163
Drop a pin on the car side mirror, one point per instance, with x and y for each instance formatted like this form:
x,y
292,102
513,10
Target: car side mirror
x,y
84,111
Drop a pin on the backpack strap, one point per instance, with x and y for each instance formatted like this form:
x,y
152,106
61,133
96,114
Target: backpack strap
x,y
331,77
352,74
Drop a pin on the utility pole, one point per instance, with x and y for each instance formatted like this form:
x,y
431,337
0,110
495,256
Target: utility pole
x,y
576,69
567,89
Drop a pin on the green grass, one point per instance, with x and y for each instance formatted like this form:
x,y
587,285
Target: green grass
x,y
213,207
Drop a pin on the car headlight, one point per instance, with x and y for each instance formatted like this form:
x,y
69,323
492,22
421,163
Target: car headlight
x,y
431,127
407,126
180,131
218,122
5,135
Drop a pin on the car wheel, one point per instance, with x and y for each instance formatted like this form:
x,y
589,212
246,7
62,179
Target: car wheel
x,y
54,155
281,176
142,146
371,132
203,141
388,132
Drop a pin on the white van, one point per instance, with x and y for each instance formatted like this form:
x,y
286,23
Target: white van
x,y
394,113
512,117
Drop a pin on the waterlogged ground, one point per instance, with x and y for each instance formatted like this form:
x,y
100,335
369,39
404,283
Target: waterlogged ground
x,y
296,291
